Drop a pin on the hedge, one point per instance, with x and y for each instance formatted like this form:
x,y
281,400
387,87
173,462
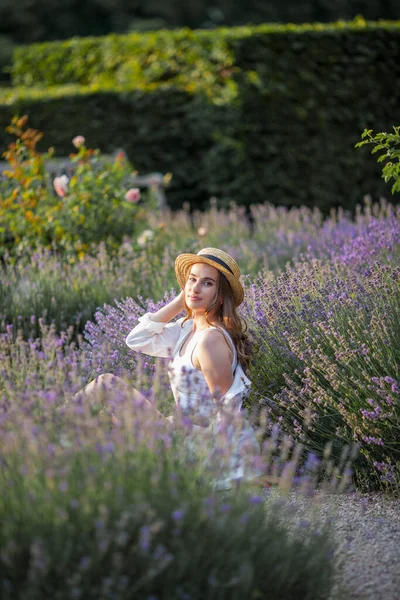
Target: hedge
x,y
41,20
249,113
156,56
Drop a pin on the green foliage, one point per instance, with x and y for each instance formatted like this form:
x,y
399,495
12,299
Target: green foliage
x,y
70,212
187,59
28,21
182,56
389,146
246,114
7,48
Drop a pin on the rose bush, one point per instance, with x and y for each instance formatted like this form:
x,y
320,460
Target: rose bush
x,y
94,201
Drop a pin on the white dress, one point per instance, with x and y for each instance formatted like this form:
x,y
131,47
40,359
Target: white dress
x,y
194,400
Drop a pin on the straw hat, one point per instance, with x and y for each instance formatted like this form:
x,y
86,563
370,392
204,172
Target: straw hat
x,y
216,258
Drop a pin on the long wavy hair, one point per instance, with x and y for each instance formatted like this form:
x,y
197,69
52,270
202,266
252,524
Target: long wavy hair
x,y
228,317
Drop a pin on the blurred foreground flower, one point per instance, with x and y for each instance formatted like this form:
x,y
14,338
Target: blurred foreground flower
x,y
132,195
78,141
146,236
61,185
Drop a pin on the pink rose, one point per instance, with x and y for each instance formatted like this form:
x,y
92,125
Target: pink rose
x,y
133,195
78,141
61,185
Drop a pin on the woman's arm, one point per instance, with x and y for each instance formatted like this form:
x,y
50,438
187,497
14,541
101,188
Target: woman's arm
x,y
215,359
169,311
154,335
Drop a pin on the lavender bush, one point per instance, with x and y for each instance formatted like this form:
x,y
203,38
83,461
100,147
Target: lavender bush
x,y
106,351
88,511
44,283
327,330
328,365
326,325
94,509
121,526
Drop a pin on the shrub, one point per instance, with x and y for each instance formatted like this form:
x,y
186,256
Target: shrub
x,y
389,146
327,367
327,326
92,512
72,212
40,21
138,524
38,283
7,47
326,331
246,114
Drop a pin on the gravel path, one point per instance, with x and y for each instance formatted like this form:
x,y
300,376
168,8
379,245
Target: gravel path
x,y
367,529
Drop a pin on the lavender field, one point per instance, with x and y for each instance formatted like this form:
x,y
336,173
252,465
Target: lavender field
x,y
82,500
321,303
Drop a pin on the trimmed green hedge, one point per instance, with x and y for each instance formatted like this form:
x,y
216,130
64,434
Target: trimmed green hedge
x,y
184,56
249,113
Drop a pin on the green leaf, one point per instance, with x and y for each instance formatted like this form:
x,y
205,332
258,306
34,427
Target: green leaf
x,y
381,158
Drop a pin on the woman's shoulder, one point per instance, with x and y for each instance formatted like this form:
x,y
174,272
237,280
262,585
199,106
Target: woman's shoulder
x,y
215,339
214,350
221,331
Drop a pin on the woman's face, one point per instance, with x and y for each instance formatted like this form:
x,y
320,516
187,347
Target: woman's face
x,y
201,287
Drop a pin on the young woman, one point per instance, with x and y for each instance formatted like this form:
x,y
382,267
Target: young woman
x,y
209,351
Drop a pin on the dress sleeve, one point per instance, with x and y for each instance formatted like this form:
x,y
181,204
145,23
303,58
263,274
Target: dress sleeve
x,y
154,339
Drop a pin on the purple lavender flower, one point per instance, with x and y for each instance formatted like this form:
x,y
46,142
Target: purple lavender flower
x,y
178,515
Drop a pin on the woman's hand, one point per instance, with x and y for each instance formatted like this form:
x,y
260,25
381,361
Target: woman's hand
x,y
170,310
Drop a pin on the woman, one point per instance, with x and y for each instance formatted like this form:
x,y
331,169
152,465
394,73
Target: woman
x,y
209,352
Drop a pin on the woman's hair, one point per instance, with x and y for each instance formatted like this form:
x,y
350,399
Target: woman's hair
x,y
230,320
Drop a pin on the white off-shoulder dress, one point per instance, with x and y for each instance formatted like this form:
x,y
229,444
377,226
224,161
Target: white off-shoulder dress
x,y
193,398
